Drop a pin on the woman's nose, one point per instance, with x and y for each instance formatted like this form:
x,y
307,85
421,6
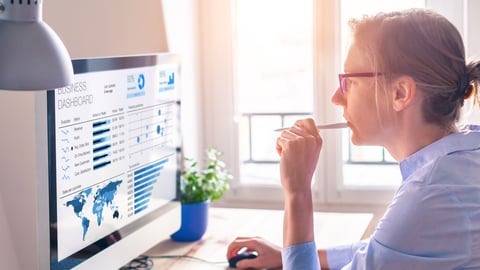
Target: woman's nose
x,y
338,98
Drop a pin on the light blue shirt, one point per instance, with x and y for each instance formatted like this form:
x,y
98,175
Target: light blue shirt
x,y
433,221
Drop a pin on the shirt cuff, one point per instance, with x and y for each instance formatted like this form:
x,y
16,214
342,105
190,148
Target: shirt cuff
x,y
301,256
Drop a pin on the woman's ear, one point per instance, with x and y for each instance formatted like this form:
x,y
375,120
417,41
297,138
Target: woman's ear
x,y
404,90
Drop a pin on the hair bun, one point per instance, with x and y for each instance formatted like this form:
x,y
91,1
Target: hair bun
x,y
464,88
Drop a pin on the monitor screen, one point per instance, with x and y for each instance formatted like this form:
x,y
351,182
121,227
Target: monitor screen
x,y
113,147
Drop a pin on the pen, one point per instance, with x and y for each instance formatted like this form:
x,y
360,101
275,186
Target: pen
x,y
327,126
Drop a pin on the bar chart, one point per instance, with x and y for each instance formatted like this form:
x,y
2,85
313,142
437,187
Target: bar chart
x,y
142,182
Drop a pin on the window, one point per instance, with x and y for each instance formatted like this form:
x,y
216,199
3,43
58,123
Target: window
x,y
270,62
273,53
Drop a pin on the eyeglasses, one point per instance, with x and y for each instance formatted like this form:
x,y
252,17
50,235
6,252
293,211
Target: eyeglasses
x,y
342,77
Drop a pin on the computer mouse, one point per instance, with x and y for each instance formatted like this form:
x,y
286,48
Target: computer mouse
x,y
232,262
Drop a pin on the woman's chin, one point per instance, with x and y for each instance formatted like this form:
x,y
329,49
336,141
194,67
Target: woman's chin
x,y
355,140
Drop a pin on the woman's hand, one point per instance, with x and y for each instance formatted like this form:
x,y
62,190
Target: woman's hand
x,y
299,148
269,255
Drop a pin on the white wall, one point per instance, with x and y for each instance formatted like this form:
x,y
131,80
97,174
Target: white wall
x,y
17,176
89,28
183,32
7,254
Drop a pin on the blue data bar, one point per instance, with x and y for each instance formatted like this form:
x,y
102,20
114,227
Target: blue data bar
x,y
101,140
147,184
147,173
142,203
146,179
138,210
142,197
143,191
101,148
139,171
100,131
100,123
100,165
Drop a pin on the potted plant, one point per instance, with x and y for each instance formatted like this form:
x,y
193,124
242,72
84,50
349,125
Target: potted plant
x,y
199,187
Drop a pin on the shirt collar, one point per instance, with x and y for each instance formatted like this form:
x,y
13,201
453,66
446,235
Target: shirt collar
x,y
466,139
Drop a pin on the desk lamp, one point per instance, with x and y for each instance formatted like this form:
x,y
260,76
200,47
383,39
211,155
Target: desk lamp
x,y
32,56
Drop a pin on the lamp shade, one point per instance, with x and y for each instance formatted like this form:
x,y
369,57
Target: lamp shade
x,y
32,56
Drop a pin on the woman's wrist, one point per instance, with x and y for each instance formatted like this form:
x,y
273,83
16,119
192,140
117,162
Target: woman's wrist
x,y
298,220
298,197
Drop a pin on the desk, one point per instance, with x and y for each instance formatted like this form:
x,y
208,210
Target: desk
x,y
227,223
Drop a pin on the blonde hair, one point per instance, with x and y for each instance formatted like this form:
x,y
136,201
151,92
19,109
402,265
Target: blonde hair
x,y
425,46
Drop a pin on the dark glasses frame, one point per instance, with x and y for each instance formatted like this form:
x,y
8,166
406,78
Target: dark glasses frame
x,y
342,76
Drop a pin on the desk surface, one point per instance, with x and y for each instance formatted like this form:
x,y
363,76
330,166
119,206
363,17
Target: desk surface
x,y
227,223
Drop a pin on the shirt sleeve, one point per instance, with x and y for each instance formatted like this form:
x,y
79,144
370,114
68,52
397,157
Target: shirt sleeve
x,y
300,257
339,256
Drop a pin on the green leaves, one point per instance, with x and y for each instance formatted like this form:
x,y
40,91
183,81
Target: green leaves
x,y
211,183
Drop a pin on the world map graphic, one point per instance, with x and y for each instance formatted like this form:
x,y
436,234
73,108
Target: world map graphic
x,y
104,198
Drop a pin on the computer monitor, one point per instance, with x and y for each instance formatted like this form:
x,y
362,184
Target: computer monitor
x,y
113,160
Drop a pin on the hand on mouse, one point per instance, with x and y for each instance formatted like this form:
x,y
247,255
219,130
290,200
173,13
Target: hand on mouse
x,y
269,254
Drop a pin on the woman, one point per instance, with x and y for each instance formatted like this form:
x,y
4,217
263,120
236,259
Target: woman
x,y
405,84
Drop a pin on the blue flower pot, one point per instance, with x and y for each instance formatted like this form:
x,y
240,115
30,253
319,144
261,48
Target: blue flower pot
x,y
194,222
